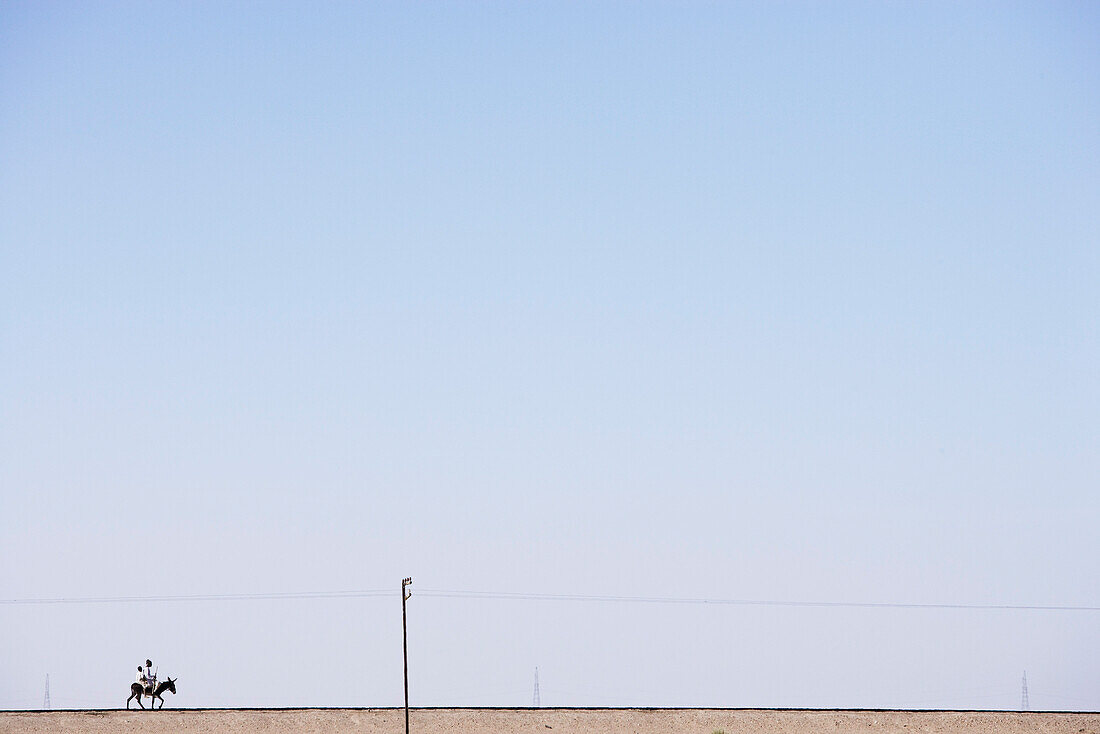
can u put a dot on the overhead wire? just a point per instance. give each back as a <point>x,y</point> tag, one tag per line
<point>461,594</point>
<point>205,597</point>
<point>523,596</point>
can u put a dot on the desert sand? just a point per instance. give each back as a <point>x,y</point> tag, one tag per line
<point>544,721</point>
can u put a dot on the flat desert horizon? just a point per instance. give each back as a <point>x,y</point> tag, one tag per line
<point>547,721</point>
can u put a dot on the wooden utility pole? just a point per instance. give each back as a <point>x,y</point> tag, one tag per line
<point>405,644</point>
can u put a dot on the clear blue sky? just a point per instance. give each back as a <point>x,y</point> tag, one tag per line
<point>761,301</point>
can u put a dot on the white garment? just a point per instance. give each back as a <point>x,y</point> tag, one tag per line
<point>140,678</point>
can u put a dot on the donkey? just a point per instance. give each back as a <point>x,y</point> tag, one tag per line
<point>137,690</point>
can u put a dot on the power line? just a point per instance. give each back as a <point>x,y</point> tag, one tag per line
<point>521,596</point>
<point>457,594</point>
<point>205,597</point>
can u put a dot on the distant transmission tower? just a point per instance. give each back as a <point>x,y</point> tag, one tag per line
<point>1024,704</point>
<point>46,698</point>
<point>535,701</point>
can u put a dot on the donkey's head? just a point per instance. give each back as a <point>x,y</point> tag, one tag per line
<point>170,684</point>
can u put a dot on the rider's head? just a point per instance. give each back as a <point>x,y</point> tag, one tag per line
<point>148,663</point>
<point>139,668</point>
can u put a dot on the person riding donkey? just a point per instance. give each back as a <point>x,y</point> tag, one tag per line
<point>146,685</point>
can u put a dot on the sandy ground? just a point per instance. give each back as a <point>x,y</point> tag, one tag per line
<point>544,721</point>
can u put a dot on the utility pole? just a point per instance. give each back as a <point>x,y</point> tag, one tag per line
<point>1024,703</point>
<point>536,700</point>
<point>46,698</point>
<point>405,644</point>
